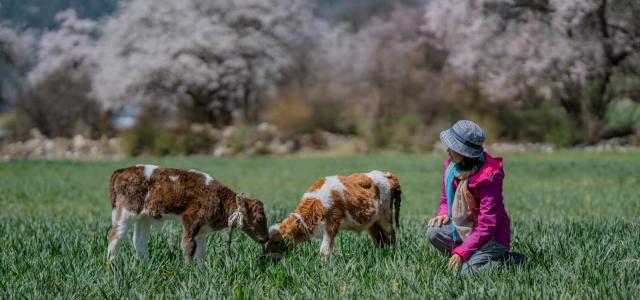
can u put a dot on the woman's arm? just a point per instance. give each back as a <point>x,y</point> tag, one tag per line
<point>444,208</point>
<point>490,198</point>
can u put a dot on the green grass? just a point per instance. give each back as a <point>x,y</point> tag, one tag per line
<point>574,216</point>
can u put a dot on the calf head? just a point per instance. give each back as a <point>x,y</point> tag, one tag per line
<point>277,245</point>
<point>254,221</point>
<point>286,235</point>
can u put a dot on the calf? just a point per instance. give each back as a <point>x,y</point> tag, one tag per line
<point>356,202</point>
<point>146,195</point>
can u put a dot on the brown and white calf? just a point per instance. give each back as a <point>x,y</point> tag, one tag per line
<point>146,195</point>
<point>356,202</point>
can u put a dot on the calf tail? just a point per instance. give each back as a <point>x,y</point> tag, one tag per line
<point>396,199</point>
<point>112,187</point>
<point>396,196</point>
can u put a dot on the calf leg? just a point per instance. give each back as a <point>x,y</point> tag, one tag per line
<point>121,220</point>
<point>377,236</point>
<point>382,233</point>
<point>388,232</point>
<point>190,230</point>
<point>188,245</point>
<point>201,247</point>
<point>328,237</point>
<point>141,238</point>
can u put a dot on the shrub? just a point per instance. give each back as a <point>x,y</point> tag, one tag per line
<point>545,123</point>
<point>622,118</point>
<point>165,142</point>
<point>196,142</point>
<point>61,105</point>
<point>405,133</point>
<point>148,136</point>
<point>237,140</point>
<point>17,125</point>
<point>291,115</point>
<point>140,137</point>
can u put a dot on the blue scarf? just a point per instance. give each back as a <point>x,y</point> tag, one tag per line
<point>453,170</point>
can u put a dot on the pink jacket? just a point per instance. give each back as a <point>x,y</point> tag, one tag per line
<point>493,221</point>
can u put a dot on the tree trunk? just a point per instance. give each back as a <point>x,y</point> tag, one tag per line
<point>587,109</point>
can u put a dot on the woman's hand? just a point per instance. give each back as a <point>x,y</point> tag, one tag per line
<point>438,220</point>
<point>455,262</point>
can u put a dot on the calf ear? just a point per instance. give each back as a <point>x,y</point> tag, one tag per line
<point>274,230</point>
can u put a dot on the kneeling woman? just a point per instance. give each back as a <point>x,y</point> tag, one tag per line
<point>472,224</point>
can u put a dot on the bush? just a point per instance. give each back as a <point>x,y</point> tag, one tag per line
<point>406,133</point>
<point>17,125</point>
<point>196,142</point>
<point>291,115</point>
<point>61,105</point>
<point>335,116</point>
<point>299,113</point>
<point>149,136</point>
<point>622,118</point>
<point>139,138</point>
<point>237,140</point>
<point>545,123</point>
<point>165,142</point>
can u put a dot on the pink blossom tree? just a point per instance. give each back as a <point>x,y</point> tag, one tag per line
<point>387,64</point>
<point>58,96</point>
<point>71,48</point>
<point>578,52</point>
<point>220,57</point>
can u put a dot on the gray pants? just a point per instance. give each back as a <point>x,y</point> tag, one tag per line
<point>492,254</point>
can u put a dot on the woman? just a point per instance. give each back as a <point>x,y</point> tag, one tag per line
<point>472,225</point>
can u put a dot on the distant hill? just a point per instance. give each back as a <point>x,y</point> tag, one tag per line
<point>40,14</point>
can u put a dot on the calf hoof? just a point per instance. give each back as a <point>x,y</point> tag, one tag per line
<point>325,258</point>
<point>109,264</point>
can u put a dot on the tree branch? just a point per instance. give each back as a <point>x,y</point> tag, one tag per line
<point>620,28</point>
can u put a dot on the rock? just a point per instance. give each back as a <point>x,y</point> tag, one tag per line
<point>332,140</point>
<point>267,128</point>
<point>503,147</point>
<point>35,134</point>
<point>198,128</point>
<point>79,142</point>
<point>520,147</point>
<point>279,148</point>
<point>263,133</point>
<point>78,147</point>
<point>620,144</point>
<point>222,151</point>
<point>228,132</point>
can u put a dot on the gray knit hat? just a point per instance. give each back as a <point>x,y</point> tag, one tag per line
<point>465,137</point>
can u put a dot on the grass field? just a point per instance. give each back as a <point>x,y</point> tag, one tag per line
<point>574,215</point>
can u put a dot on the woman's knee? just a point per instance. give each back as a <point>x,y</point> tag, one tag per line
<point>430,234</point>
<point>434,235</point>
<point>492,255</point>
